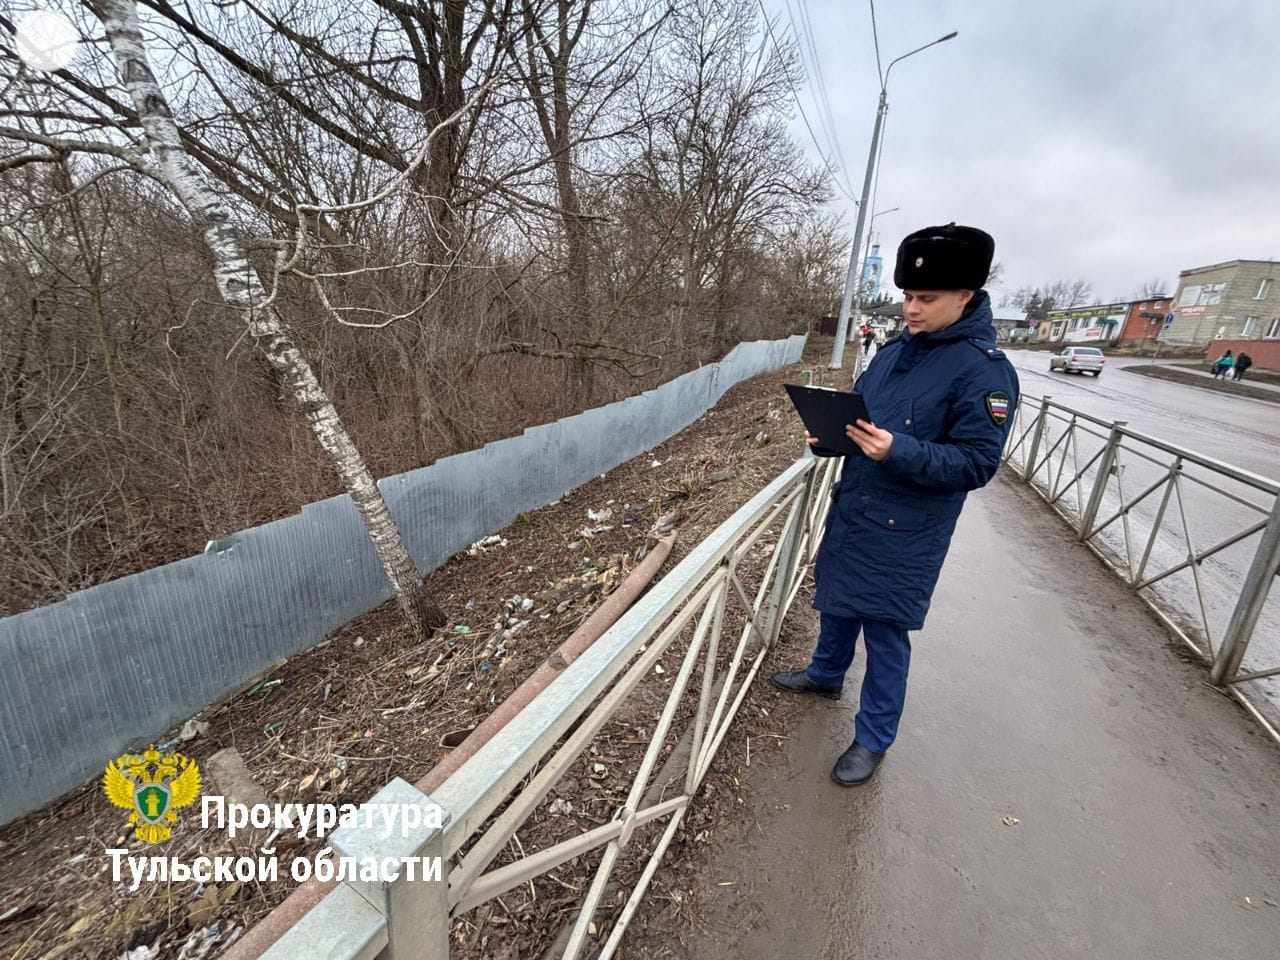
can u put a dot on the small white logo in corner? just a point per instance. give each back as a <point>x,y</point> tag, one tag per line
<point>45,40</point>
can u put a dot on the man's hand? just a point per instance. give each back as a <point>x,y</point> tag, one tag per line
<point>873,441</point>
<point>810,439</point>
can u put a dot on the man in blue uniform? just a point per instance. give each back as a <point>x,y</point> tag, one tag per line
<point>941,397</point>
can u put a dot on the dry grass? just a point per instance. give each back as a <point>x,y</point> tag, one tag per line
<point>335,723</point>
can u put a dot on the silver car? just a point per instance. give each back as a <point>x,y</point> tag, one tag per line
<point>1078,360</point>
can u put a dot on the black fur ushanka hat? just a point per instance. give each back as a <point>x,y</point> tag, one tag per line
<point>944,258</point>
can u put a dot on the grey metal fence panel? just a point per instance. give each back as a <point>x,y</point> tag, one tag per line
<point>116,665</point>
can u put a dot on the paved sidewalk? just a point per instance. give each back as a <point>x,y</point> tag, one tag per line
<point>1251,377</point>
<point>1143,804</point>
<point>1197,374</point>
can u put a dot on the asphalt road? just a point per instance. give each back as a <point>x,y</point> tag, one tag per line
<point>1242,432</point>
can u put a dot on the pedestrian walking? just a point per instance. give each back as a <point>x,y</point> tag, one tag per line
<point>1243,363</point>
<point>941,396</point>
<point>1222,366</point>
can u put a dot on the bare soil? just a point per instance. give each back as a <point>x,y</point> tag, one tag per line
<point>367,704</point>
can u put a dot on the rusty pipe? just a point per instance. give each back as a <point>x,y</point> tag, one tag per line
<point>259,938</point>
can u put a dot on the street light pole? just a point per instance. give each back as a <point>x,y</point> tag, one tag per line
<point>851,278</point>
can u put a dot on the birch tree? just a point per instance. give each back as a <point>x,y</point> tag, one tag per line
<point>616,200</point>
<point>242,288</point>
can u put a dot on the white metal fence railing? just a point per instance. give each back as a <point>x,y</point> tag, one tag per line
<point>1198,539</point>
<point>749,571</point>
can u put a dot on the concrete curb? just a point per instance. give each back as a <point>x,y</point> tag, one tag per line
<point>1195,380</point>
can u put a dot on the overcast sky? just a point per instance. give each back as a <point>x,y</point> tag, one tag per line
<point>1117,142</point>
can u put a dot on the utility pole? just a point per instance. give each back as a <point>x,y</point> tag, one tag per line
<point>851,278</point>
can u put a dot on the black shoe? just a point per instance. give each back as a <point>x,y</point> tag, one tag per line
<point>856,766</point>
<point>797,681</point>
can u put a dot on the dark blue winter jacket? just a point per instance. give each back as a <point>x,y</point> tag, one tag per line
<point>948,398</point>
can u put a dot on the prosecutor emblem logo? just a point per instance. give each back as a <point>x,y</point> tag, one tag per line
<point>152,787</point>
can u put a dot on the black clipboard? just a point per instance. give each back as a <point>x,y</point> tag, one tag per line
<point>825,414</point>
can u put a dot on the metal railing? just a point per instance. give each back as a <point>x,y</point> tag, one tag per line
<point>494,793</point>
<point>1197,538</point>
<point>1139,503</point>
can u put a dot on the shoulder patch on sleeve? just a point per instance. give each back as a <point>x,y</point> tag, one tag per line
<point>998,406</point>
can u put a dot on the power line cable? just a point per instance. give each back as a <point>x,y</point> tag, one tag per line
<point>804,42</point>
<point>796,96</point>
<point>884,122</point>
<point>822,100</point>
<point>836,165</point>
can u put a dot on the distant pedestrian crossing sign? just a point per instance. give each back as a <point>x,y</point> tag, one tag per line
<point>1168,319</point>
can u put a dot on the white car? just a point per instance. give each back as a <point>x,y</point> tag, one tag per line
<point>1078,360</point>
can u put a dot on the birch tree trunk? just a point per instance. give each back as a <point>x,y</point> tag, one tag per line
<point>242,288</point>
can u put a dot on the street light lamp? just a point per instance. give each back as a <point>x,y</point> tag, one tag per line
<point>872,229</point>
<point>842,328</point>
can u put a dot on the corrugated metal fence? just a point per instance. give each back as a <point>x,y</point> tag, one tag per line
<point>118,664</point>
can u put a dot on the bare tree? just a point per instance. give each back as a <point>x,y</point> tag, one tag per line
<point>574,65</point>
<point>1018,298</point>
<point>1066,294</point>
<point>996,274</point>
<point>717,175</point>
<point>552,35</point>
<point>1056,295</point>
<point>316,96</point>
<point>427,294</point>
<point>804,272</point>
<point>1152,290</point>
<point>242,288</point>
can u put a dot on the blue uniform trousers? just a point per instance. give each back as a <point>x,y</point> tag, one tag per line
<point>884,683</point>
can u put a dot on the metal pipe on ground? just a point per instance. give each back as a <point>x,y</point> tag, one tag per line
<point>259,938</point>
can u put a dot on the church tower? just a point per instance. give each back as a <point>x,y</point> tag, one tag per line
<point>871,268</point>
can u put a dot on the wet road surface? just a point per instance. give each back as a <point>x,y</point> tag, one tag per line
<point>1240,431</point>
<point>1041,691</point>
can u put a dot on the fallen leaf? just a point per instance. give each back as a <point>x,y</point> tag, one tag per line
<point>206,907</point>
